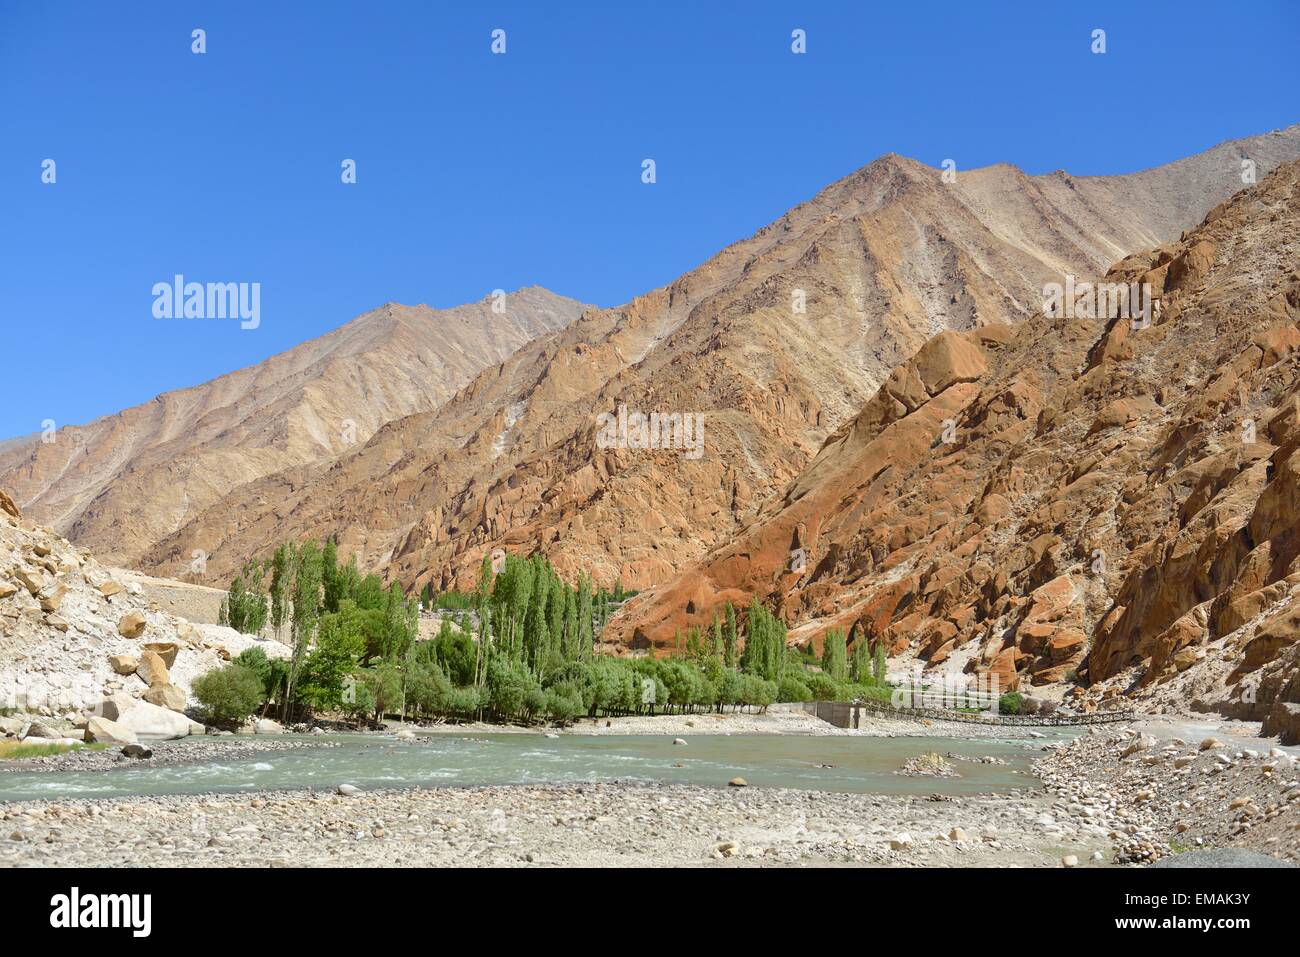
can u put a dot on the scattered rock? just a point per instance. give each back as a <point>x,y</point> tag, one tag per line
<point>131,625</point>
<point>124,664</point>
<point>166,650</point>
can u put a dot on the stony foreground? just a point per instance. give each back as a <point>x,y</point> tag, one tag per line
<point>1159,789</point>
<point>590,825</point>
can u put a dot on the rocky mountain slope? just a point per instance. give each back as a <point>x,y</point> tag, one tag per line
<point>121,483</point>
<point>1075,497</point>
<point>74,632</point>
<point>776,341</point>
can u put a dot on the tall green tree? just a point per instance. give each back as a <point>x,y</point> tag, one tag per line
<point>730,638</point>
<point>282,570</point>
<point>834,655</point>
<point>306,613</point>
<point>332,576</point>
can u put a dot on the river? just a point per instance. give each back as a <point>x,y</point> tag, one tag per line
<point>848,764</point>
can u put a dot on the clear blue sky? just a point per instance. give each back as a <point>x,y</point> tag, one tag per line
<point>479,171</point>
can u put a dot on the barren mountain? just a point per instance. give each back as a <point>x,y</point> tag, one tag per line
<point>776,340</point>
<point>1080,496</point>
<point>122,482</point>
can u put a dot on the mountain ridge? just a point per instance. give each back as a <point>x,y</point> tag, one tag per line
<point>886,257</point>
<point>385,363</point>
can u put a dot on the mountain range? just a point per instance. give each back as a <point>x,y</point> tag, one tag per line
<point>476,431</point>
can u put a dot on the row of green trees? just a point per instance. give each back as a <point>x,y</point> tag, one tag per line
<point>522,647</point>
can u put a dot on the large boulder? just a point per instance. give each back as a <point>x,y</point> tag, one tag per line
<point>51,596</point>
<point>8,506</point>
<point>131,625</point>
<point>166,650</point>
<point>167,696</point>
<point>152,670</point>
<point>153,723</point>
<point>124,664</point>
<point>104,731</point>
<point>32,580</point>
<point>1283,722</point>
<point>267,726</point>
<point>38,729</point>
<point>114,706</point>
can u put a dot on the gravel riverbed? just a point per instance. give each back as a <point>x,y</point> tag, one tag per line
<point>165,754</point>
<point>1115,795</point>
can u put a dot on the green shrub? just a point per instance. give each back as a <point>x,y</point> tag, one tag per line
<point>821,687</point>
<point>792,689</point>
<point>1010,702</point>
<point>255,660</point>
<point>230,693</point>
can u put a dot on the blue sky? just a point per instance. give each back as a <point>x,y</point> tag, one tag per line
<point>478,171</point>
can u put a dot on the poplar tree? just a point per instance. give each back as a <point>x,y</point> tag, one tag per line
<point>282,566</point>
<point>306,612</point>
<point>729,637</point>
<point>834,656</point>
<point>330,577</point>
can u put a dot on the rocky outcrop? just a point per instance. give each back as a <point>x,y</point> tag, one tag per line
<point>1283,721</point>
<point>1088,499</point>
<point>53,664</point>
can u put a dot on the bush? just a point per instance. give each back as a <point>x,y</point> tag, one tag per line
<point>231,693</point>
<point>822,687</point>
<point>1010,702</point>
<point>255,660</point>
<point>792,689</point>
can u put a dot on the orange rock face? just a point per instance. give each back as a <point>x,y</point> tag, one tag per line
<point>1077,497</point>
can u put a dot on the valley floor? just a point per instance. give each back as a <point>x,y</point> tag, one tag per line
<point>1165,795</point>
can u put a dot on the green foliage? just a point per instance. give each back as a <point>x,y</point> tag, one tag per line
<point>822,687</point>
<point>254,659</point>
<point>230,693</point>
<point>859,661</point>
<point>792,689</point>
<point>520,647</point>
<point>244,607</point>
<point>835,662</point>
<point>764,651</point>
<point>1010,702</point>
<point>14,750</point>
<point>333,658</point>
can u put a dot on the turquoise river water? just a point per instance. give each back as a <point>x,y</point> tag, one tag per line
<point>846,764</point>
